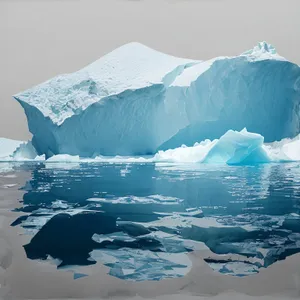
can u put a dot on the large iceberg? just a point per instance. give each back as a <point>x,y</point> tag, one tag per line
<point>137,101</point>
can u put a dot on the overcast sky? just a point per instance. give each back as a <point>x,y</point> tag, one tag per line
<point>43,38</point>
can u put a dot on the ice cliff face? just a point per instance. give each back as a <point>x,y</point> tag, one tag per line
<point>136,100</point>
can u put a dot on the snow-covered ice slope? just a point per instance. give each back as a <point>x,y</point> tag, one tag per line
<point>135,101</point>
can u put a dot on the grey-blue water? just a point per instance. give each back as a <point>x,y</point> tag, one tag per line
<point>141,220</point>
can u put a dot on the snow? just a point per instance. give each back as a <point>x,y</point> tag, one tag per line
<point>136,101</point>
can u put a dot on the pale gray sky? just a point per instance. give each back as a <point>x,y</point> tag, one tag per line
<point>43,38</point>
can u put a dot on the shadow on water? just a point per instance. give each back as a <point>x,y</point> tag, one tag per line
<point>141,220</point>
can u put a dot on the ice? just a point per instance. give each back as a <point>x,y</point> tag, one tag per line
<point>170,261</point>
<point>63,158</point>
<point>26,151</point>
<point>59,204</point>
<point>99,238</point>
<point>136,101</point>
<point>128,68</point>
<point>285,150</point>
<point>8,147</point>
<point>138,265</point>
<point>263,51</point>
<point>12,150</point>
<point>236,268</point>
<point>152,199</point>
<point>232,148</point>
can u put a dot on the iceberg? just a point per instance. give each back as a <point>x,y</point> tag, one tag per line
<point>12,150</point>
<point>8,147</point>
<point>233,148</point>
<point>138,101</point>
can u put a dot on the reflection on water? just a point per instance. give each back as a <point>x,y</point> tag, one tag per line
<point>141,220</point>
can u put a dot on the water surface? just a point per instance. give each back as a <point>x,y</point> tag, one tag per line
<point>141,220</point>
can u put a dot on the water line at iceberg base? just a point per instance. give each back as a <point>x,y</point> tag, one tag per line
<point>233,148</point>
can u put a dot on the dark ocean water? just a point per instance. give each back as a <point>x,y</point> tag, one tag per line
<point>141,220</point>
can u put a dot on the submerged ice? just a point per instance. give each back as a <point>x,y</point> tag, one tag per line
<point>137,101</point>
